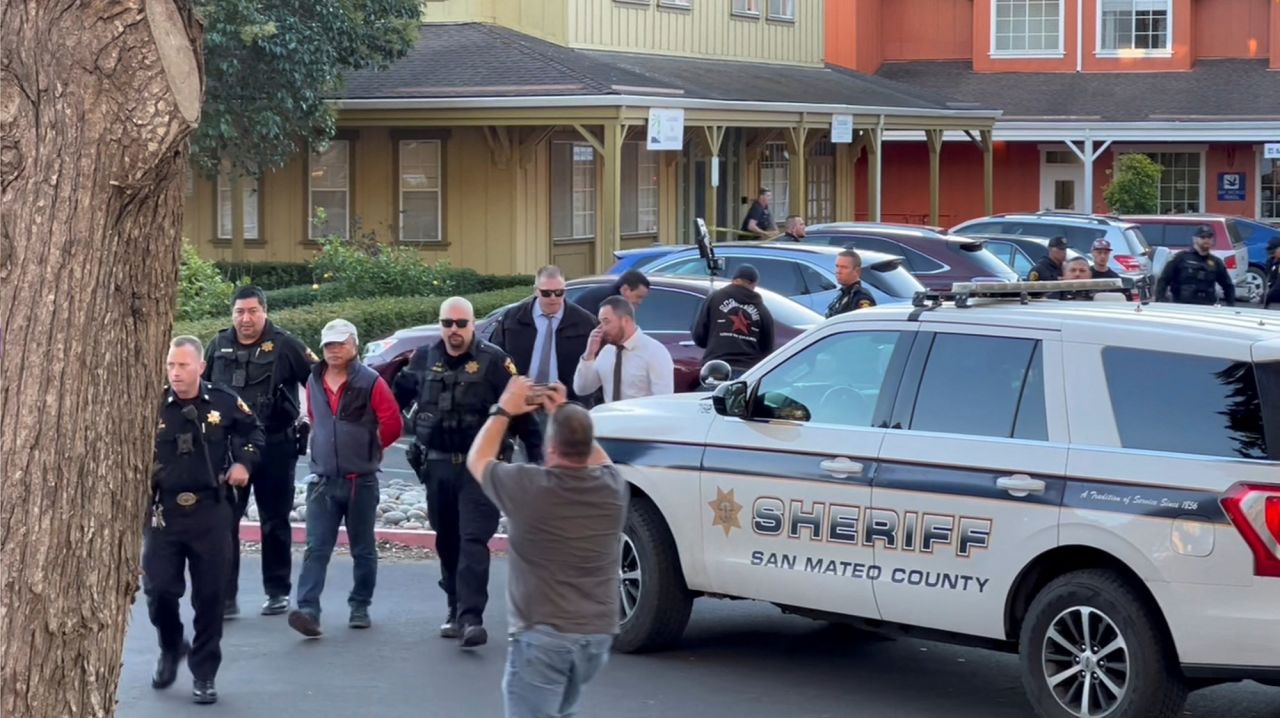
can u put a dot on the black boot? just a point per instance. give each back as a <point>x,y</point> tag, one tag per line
<point>474,636</point>
<point>167,666</point>
<point>450,628</point>
<point>203,692</point>
<point>230,609</point>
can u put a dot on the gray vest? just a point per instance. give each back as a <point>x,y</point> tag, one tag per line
<point>347,443</point>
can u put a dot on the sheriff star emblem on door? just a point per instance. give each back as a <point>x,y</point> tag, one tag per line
<point>725,510</point>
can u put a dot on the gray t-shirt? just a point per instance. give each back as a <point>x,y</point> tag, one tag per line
<point>564,527</point>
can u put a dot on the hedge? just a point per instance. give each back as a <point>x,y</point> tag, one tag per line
<point>463,282</point>
<point>374,318</point>
<point>268,275</point>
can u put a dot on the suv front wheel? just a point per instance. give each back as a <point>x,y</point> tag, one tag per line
<point>654,601</point>
<point>1090,649</point>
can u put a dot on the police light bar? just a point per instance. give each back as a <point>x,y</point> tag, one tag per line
<point>1017,289</point>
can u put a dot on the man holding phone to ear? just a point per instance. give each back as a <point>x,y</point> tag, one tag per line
<point>456,380</point>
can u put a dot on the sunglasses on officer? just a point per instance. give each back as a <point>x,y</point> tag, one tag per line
<point>551,292</point>
<point>451,323</point>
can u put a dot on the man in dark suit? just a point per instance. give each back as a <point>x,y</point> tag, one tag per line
<point>545,335</point>
<point>632,286</point>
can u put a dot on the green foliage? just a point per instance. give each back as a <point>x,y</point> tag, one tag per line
<point>202,290</point>
<point>269,67</point>
<point>364,267</point>
<point>374,318</point>
<point>267,275</point>
<point>1135,185</point>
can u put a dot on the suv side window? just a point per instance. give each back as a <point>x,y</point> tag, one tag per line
<point>837,380</point>
<point>1154,234</point>
<point>667,310</point>
<point>815,281</point>
<point>986,228</point>
<point>778,275</point>
<point>874,244</point>
<point>1191,405</point>
<point>689,267</point>
<point>1179,235</point>
<point>984,386</point>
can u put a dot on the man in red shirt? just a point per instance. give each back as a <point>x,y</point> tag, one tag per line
<point>354,418</point>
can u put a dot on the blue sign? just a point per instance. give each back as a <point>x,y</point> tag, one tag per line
<point>1231,186</point>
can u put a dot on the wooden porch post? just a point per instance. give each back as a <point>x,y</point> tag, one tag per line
<point>988,173</point>
<point>934,138</point>
<point>610,224</point>
<point>714,135</point>
<point>798,176</point>
<point>873,173</point>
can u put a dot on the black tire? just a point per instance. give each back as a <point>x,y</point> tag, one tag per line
<point>1257,278</point>
<point>1155,687</point>
<point>664,601</point>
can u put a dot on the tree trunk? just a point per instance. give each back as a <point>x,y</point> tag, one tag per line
<point>97,101</point>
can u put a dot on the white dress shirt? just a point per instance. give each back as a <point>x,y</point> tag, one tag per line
<point>647,370</point>
<point>542,324</point>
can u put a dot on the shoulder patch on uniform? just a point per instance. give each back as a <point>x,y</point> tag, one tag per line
<point>510,366</point>
<point>243,406</point>
<point>1033,277</point>
<point>864,304</point>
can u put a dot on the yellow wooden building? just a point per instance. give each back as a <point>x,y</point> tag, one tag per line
<point>515,134</point>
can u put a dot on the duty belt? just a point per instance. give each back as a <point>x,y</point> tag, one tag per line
<point>187,499</point>
<point>457,458</point>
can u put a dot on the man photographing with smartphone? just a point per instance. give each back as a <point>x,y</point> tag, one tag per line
<point>563,523</point>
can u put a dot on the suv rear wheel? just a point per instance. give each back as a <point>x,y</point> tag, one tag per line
<point>654,601</point>
<point>1089,649</point>
<point>1254,285</point>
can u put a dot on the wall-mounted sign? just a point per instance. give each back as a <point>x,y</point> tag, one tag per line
<point>1271,150</point>
<point>1231,186</point>
<point>841,129</point>
<point>666,129</point>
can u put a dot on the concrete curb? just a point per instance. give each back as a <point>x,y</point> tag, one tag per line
<point>252,531</point>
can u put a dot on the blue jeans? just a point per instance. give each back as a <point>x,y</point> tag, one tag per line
<point>331,502</point>
<point>546,671</point>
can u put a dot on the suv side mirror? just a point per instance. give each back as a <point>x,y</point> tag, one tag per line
<point>730,399</point>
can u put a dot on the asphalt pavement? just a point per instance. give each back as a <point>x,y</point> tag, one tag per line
<point>739,658</point>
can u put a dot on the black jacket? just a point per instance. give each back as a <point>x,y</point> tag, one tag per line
<point>590,300</point>
<point>850,299</point>
<point>1045,271</point>
<point>517,333</point>
<point>1273,283</point>
<point>1189,278</point>
<point>735,326</point>
<point>266,374</point>
<point>199,439</point>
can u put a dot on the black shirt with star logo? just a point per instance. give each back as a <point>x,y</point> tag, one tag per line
<point>267,374</point>
<point>198,439</point>
<point>734,326</point>
<point>850,298</point>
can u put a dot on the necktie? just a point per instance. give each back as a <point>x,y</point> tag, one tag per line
<point>617,372</point>
<point>543,375</point>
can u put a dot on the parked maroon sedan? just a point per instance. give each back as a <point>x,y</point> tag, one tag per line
<point>666,315</point>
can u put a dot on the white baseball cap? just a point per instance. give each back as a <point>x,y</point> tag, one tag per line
<point>338,330</point>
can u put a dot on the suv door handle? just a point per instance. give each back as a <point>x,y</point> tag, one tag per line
<point>688,343</point>
<point>1020,484</point>
<point>841,467</point>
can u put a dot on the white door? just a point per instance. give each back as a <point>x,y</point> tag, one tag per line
<point>787,486</point>
<point>1061,181</point>
<point>971,476</point>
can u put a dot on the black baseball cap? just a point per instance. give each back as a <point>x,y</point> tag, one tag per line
<point>747,273</point>
<point>1274,244</point>
<point>1058,243</point>
<point>1203,231</point>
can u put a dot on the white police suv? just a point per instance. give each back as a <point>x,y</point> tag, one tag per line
<point>1092,484</point>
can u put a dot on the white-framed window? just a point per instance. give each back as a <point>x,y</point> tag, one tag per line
<point>682,4</point>
<point>782,10</point>
<point>329,189</point>
<point>1027,27</point>
<point>750,8</point>
<point>573,190</point>
<point>1181,181</point>
<point>249,210</point>
<point>1142,26</point>
<point>820,166</point>
<point>775,176</point>
<point>639,189</point>
<point>421,198</point>
<point>1269,189</point>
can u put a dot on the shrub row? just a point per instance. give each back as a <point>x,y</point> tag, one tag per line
<point>268,275</point>
<point>464,282</point>
<point>374,318</point>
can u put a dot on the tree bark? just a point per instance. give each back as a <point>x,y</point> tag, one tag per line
<point>97,101</point>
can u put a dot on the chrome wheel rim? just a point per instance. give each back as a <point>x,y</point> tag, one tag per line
<point>1086,662</point>
<point>1253,286</point>
<point>628,579</point>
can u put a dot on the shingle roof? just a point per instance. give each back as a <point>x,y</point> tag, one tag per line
<point>483,60</point>
<point>1214,90</point>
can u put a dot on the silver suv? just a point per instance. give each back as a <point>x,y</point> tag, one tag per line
<point>1129,248</point>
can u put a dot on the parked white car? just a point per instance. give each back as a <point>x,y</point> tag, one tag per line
<point>1092,484</point>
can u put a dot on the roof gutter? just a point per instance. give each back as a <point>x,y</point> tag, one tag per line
<point>689,103</point>
<point>1148,131</point>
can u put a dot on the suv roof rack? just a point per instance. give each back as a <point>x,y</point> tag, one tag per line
<point>962,292</point>
<point>1092,217</point>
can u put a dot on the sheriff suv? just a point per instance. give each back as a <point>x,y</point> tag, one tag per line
<point>1094,485</point>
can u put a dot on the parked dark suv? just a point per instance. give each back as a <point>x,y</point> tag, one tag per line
<point>938,260</point>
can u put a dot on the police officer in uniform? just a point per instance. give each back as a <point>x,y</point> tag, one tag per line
<point>1049,268</point>
<point>457,381</point>
<point>207,438</point>
<point>852,295</point>
<point>1190,276</point>
<point>266,366</point>
<point>1271,292</point>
